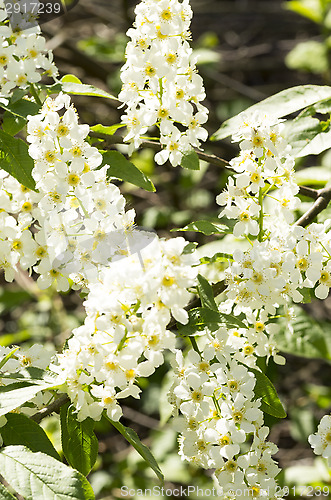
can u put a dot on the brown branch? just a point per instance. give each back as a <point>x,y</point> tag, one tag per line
<point>52,407</point>
<point>323,197</point>
<point>111,140</point>
<point>307,191</point>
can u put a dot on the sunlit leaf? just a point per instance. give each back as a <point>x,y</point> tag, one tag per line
<point>79,443</point>
<point>264,389</point>
<point>37,476</point>
<point>277,106</point>
<point>204,226</point>
<point>21,430</point>
<point>121,168</point>
<point>72,85</point>
<point>132,437</point>
<point>15,159</point>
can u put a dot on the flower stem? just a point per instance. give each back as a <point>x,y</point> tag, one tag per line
<point>195,345</point>
<point>34,93</point>
<point>260,215</point>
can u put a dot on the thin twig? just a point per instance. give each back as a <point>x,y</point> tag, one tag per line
<point>307,191</point>
<point>321,202</point>
<point>111,140</point>
<point>52,407</point>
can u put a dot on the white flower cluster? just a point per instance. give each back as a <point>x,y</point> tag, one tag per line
<point>216,409</point>
<point>125,331</point>
<point>160,83</point>
<point>23,55</point>
<point>283,258</point>
<point>80,215</point>
<point>80,231</point>
<point>263,165</point>
<point>321,441</point>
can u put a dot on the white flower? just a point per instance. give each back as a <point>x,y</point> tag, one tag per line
<point>321,441</point>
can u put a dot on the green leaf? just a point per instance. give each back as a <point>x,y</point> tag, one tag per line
<point>121,168</point>
<point>132,437</point>
<point>72,85</point>
<point>21,430</point>
<point>203,317</point>
<point>7,357</point>
<point>218,257</point>
<point>206,293</point>
<point>16,160</point>
<point>5,494</point>
<point>313,176</point>
<point>101,129</point>
<point>16,112</point>
<point>14,395</point>
<point>32,375</point>
<point>37,476</point>
<point>70,79</point>
<point>300,132</point>
<point>190,161</point>
<point>21,108</point>
<point>55,88</point>
<point>79,443</point>
<point>306,8</point>
<point>264,389</point>
<point>12,124</point>
<point>310,56</point>
<point>190,247</point>
<point>321,142</point>
<point>282,104</point>
<point>310,338</point>
<point>204,226</point>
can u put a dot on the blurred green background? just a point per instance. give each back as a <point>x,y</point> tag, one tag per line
<point>248,50</point>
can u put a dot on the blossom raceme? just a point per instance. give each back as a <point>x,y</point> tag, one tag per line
<point>81,231</point>
<point>261,197</point>
<point>23,54</point>
<point>160,83</point>
<point>215,411</point>
<point>125,332</point>
<point>78,216</point>
<point>17,359</point>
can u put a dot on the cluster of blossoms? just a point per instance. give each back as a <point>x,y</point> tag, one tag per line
<point>160,83</point>
<point>263,165</point>
<point>78,216</point>
<point>125,331</point>
<point>23,55</point>
<point>216,410</point>
<point>76,227</point>
<point>283,258</point>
